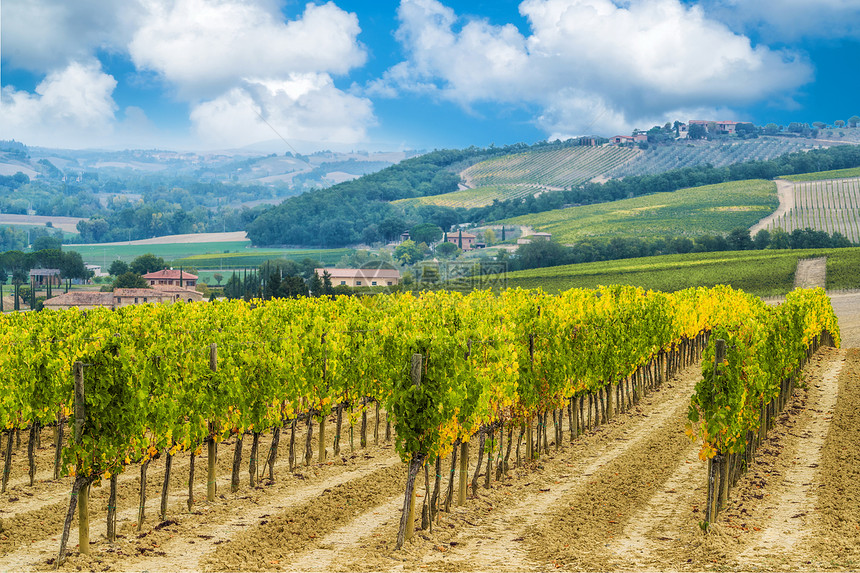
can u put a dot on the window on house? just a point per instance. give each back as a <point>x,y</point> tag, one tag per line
<point>389,283</point>
<point>343,282</point>
<point>373,283</point>
<point>144,299</point>
<point>135,300</point>
<point>357,283</point>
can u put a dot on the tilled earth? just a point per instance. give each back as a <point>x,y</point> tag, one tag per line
<point>627,496</point>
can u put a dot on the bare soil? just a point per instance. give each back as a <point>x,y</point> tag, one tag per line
<point>811,273</point>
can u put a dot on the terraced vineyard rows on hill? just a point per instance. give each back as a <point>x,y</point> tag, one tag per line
<point>521,174</point>
<point>560,168</point>
<point>664,158</point>
<point>830,206</point>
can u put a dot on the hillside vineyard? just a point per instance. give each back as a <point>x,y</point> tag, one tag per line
<point>446,368</point>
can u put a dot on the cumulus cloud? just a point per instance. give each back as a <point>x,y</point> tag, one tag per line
<point>44,35</point>
<point>71,107</point>
<point>305,106</point>
<point>790,20</point>
<point>591,65</point>
<point>203,48</point>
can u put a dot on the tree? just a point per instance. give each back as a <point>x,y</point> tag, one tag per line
<point>391,227</point>
<point>746,130</point>
<point>489,236</point>
<point>217,276</point>
<point>739,240</point>
<point>130,280</point>
<point>819,124</point>
<point>779,239</point>
<point>762,239</point>
<point>147,263</point>
<point>315,285</point>
<point>771,129</point>
<point>853,121</point>
<point>117,268</point>
<point>425,233</point>
<point>839,123</point>
<point>696,131</point>
<point>408,252</point>
<point>447,250</point>
<point>542,254</point>
<point>47,242</point>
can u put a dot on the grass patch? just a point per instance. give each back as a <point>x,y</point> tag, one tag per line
<point>843,269</point>
<point>256,257</point>
<point>711,209</point>
<point>106,254</point>
<point>228,255</point>
<point>822,175</point>
<point>764,273</point>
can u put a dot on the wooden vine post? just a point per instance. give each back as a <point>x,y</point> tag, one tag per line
<point>715,463</point>
<point>80,487</point>
<point>211,484</point>
<point>321,440</point>
<point>84,494</point>
<point>407,518</point>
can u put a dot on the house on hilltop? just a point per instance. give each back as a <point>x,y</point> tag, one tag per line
<point>728,127</point>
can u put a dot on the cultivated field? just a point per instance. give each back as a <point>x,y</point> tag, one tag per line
<point>831,205</point>
<point>763,273</point>
<point>711,209</point>
<point>662,158</point>
<point>628,495</point>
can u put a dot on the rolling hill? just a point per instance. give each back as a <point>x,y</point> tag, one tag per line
<point>710,209</point>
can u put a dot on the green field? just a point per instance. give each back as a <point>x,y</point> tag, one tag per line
<point>478,197</point>
<point>711,209</point>
<point>256,257</point>
<point>764,273</point>
<point>228,255</point>
<point>822,175</point>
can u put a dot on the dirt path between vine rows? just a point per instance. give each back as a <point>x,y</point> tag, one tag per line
<point>785,192</point>
<point>497,530</point>
<point>811,273</point>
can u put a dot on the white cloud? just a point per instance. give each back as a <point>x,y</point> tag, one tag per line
<point>790,20</point>
<point>71,107</point>
<point>204,48</point>
<point>591,65</point>
<point>305,106</point>
<point>44,35</point>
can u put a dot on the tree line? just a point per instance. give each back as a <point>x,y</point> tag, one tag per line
<point>538,254</point>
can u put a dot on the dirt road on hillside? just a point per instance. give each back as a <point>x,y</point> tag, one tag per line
<point>785,192</point>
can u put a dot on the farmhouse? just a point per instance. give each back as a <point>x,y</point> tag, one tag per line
<point>636,138</point>
<point>120,297</point>
<point>361,277</point>
<point>171,277</point>
<point>465,241</point>
<point>728,127</point>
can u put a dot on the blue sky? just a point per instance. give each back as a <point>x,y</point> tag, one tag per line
<point>377,74</point>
